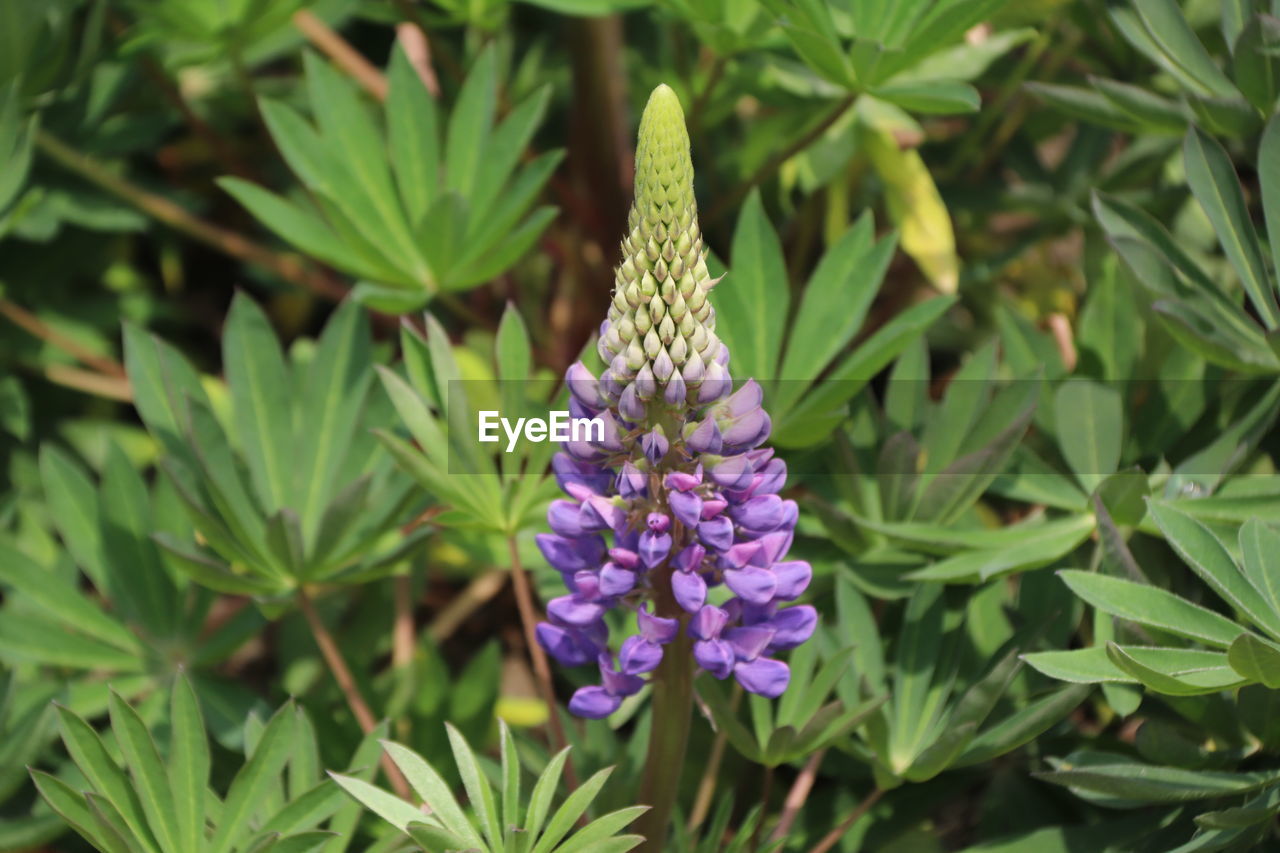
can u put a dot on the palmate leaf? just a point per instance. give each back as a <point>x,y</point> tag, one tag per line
<point>163,803</point>
<point>500,823</point>
<point>430,204</point>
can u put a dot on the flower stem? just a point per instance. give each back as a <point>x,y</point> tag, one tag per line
<point>672,714</point>
<point>832,838</point>
<point>347,684</point>
<point>529,618</point>
<point>797,795</point>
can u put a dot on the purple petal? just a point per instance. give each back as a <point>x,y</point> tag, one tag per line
<point>615,580</point>
<point>689,558</point>
<point>716,533</point>
<point>571,555</point>
<point>568,470</point>
<point>564,644</point>
<point>690,590</point>
<point>747,431</point>
<point>618,683</point>
<point>740,554</point>
<point>609,439</point>
<point>676,391</point>
<point>731,472</point>
<point>623,557</point>
<point>601,513</point>
<point>663,366</point>
<point>658,522</point>
<point>686,507</point>
<point>646,387</point>
<point>682,481</point>
<point>793,578</point>
<point>586,586</point>
<point>744,400</point>
<point>563,518</point>
<point>657,629</point>
<point>630,406</point>
<point>763,513</point>
<point>654,444</point>
<point>752,584</point>
<point>594,703</point>
<point>706,438</point>
<point>716,382</point>
<point>574,611</point>
<point>793,625</point>
<point>654,548</point>
<point>638,656</point>
<point>749,643</point>
<point>773,546</point>
<point>632,483</point>
<point>583,386</point>
<point>707,623</point>
<point>714,656</point>
<point>773,476</point>
<point>763,676</point>
<point>711,507</point>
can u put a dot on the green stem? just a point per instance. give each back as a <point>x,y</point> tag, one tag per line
<point>668,739</point>
<point>672,714</point>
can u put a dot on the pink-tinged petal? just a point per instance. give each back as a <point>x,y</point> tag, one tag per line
<point>690,590</point>
<point>763,676</point>
<point>773,546</point>
<point>741,554</point>
<point>714,656</point>
<point>594,703</point>
<point>793,578</point>
<point>690,558</point>
<point>656,629</point>
<point>682,481</point>
<point>625,558</point>
<point>632,482</point>
<point>707,623</point>
<point>713,507</point>
<point>793,626</point>
<point>752,584</point>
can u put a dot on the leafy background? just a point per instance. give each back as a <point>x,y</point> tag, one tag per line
<point>1007,273</point>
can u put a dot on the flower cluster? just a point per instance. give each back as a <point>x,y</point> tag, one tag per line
<point>675,513</point>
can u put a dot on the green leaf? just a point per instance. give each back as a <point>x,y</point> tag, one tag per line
<point>561,823</point>
<point>29,637</point>
<point>261,393</point>
<point>544,791</point>
<point>149,777</point>
<point>188,763</point>
<point>510,777</point>
<point>413,134</point>
<point>136,579</point>
<point>332,400</point>
<point>478,790</point>
<point>1154,678</point>
<point>600,832</point>
<point>1180,51</point>
<point>1207,671</point>
<point>1023,725</point>
<point>254,780</point>
<point>1260,557</point>
<point>1209,559</point>
<point>1255,65</point>
<point>470,124</point>
<point>753,300</point>
<point>944,97</point>
<point>70,805</point>
<point>1256,659</point>
<point>389,807</point>
<point>1090,428</point>
<point>63,601</point>
<point>917,698</point>
<point>1041,547</point>
<point>108,780</point>
<point>1151,606</point>
<point>1132,780</point>
<point>162,383</point>
<point>1213,181</point>
<point>433,790</point>
<point>1269,181</point>
<point>73,505</point>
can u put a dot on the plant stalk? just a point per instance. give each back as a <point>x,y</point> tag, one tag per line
<point>541,669</point>
<point>832,838</point>
<point>707,785</point>
<point>796,797</point>
<point>347,684</point>
<point>672,714</point>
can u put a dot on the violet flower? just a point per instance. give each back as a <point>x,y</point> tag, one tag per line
<point>675,515</point>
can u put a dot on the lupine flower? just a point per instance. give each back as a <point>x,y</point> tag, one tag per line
<point>675,514</point>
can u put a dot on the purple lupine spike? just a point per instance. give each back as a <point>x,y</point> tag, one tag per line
<point>682,486</point>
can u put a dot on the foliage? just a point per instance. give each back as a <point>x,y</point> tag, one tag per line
<point>1005,276</point>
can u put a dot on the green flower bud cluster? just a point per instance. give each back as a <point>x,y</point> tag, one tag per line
<point>659,339</point>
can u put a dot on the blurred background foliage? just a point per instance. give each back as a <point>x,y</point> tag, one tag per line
<point>1006,271</point>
